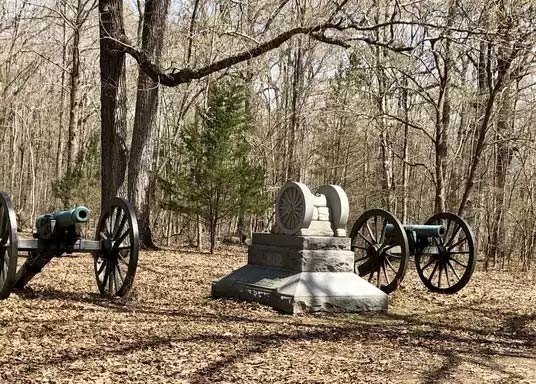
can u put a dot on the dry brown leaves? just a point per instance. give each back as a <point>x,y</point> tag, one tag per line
<point>60,330</point>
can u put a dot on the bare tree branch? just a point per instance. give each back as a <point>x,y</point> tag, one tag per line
<point>176,77</point>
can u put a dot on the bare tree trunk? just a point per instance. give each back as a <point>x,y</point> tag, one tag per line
<point>59,153</point>
<point>114,151</point>
<point>388,184</point>
<point>72,144</point>
<point>140,178</point>
<point>504,154</point>
<point>293,170</point>
<point>443,64</point>
<point>481,137</point>
<point>405,152</point>
<point>441,144</point>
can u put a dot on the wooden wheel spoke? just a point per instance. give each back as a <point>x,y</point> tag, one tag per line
<point>119,229</point>
<point>120,274</point>
<point>115,268</point>
<point>447,275</point>
<point>378,276</point>
<point>376,227</point>
<point>457,262</point>
<point>449,221</point>
<point>121,239</point>
<point>453,269</point>
<point>385,272</point>
<point>122,259</point>
<point>455,232</point>
<point>430,262</point>
<point>384,228</point>
<point>108,225</point>
<point>388,247</point>
<point>390,265</point>
<point>106,273</point>
<point>433,273</point>
<point>110,282</point>
<point>101,267</point>
<point>116,214</point>
<point>364,238</point>
<point>457,243</point>
<point>361,259</point>
<point>370,233</point>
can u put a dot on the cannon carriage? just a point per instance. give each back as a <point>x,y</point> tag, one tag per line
<point>444,250</point>
<point>114,250</point>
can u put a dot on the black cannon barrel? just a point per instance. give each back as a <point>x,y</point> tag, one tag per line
<point>76,215</point>
<point>49,224</point>
<point>421,230</point>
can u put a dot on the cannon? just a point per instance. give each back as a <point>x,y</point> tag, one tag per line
<point>115,248</point>
<point>444,249</point>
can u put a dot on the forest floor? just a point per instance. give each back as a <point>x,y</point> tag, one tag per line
<point>60,330</point>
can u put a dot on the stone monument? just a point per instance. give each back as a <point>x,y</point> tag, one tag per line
<point>305,264</point>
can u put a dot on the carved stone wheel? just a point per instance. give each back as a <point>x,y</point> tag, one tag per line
<point>116,262</point>
<point>381,257</point>
<point>447,265</point>
<point>8,245</point>
<point>294,207</point>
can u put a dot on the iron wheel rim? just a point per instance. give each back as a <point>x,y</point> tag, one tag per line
<point>8,245</point>
<point>116,263</point>
<point>451,269</point>
<point>378,256</point>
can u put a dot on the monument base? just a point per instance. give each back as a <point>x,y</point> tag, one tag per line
<point>298,292</point>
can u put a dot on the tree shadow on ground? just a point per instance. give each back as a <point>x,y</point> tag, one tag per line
<point>454,350</point>
<point>455,344</point>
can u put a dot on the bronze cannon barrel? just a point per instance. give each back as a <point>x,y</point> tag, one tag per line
<point>422,230</point>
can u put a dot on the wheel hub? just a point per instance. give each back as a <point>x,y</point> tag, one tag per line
<point>107,246</point>
<point>374,251</point>
<point>443,253</point>
<point>375,255</point>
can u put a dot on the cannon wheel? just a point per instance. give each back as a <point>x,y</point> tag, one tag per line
<point>8,245</point>
<point>116,262</point>
<point>384,259</point>
<point>449,269</point>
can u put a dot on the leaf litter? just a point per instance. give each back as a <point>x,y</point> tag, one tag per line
<point>169,330</point>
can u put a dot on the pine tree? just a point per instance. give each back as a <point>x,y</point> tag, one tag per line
<point>218,180</point>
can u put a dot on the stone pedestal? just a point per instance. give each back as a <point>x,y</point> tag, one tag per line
<point>297,274</point>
